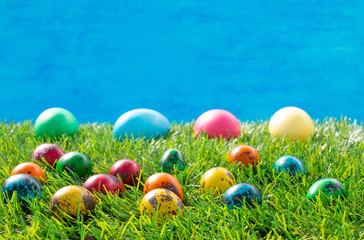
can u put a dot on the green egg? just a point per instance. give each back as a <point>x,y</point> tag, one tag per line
<point>74,162</point>
<point>55,122</point>
<point>327,188</point>
<point>172,159</point>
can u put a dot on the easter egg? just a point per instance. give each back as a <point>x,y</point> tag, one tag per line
<point>292,122</point>
<point>31,169</point>
<point>55,122</point>
<point>27,188</point>
<point>290,164</point>
<point>47,153</point>
<point>141,123</point>
<point>71,199</point>
<point>161,202</point>
<point>235,196</point>
<point>216,181</point>
<point>74,162</point>
<point>244,154</point>
<point>165,181</point>
<point>216,123</point>
<point>128,170</point>
<point>103,183</point>
<point>327,188</point>
<point>171,160</point>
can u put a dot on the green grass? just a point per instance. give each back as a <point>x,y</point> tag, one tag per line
<point>335,150</point>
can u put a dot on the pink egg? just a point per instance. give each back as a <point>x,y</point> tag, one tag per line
<point>218,123</point>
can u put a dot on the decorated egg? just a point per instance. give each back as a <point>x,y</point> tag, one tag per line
<point>165,181</point>
<point>327,188</point>
<point>172,160</point>
<point>161,202</point>
<point>290,164</point>
<point>47,153</point>
<point>241,193</point>
<point>216,181</point>
<point>292,122</point>
<point>71,199</point>
<point>216,123</point>
<point>27,188</point>
<point>74,162</point>
<point>245,155</point>
<point>128,170</point>
<point>55,122</point>
<point>141,123</point>
<point>103,183</point>
<point>31,169</point>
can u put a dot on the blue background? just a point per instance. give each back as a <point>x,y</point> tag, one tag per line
<point>181,58</point>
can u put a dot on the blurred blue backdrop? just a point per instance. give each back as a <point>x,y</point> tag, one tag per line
<point>181,58</point>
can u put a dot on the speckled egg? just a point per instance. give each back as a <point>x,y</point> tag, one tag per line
<point>55,122</point>
<point>162,202</point>
<point>74,162</point>
<point>165,181</point>
<point>244,154</point>
<point>172,160</point>
<point>128,170</point>
<point>216,181</point>
<point>103,183</point>
<point>290,164</point>
<point>31,169</point>
<point>27,188</point>
<point>67,199</point>
<point>141,123</point>
<point>235,196</point>
<point>47,153</point>
<point>327,188</point>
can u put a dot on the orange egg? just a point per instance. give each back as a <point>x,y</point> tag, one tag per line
<point>244,154</point>
<point>31,169</point>
<point>165,181</point>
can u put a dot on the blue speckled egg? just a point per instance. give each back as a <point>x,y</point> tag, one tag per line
<point>236,195</point>
<point>25,186</point>
<point>141,123</point>
<point>290,164</point>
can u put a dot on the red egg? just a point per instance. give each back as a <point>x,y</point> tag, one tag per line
<point>103,183</point>
<point>47,153</point>
<point>128,170</point>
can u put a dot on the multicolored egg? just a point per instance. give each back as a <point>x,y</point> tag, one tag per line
<point>71,198</point>
<point>216,181</point>
<point>244,154</point>
<point>27,188</point>
<point>290,164</point>
<point>161,202</point>
<point>241,193</point>
<point>141,123</point>
<point>164,181</point>
<point>74,162</point>
<point>47,153</point>
<point>128,170</point>
<point>31,169</point>
<point>103,183</point>
<point>217,123</point>
<point>327,188</point>
<point>55,122</point>
<point>172,160</point>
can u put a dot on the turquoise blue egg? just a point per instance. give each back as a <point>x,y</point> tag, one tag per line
<point>141,123</point>
<point>236,195</point>
<point>26,187</point>
<point>290,164</point>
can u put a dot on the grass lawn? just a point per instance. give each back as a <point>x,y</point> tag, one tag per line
<point>335,150</point>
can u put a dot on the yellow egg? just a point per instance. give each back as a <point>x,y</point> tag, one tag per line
<point>216,181</point>
<point>68,199</point>
<point>162,202</point>
<point>292,122</point>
